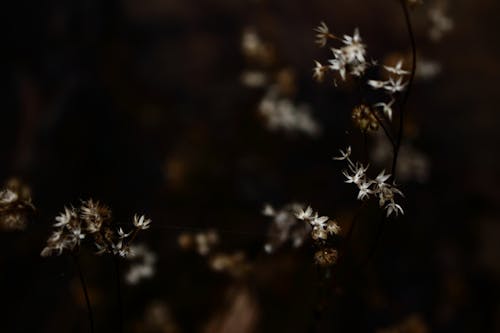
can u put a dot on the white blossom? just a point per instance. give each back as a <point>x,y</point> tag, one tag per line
<point>141,222</point>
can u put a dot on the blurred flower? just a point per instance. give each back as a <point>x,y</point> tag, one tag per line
<point>143,265</point>
<point>15,205</point>
<point>323,33</point>
<point>201,242</point>
<point>281,113</point>
<point>286,226</point>
<point>440,22</point>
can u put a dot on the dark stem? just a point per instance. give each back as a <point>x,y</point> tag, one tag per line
<point>410,84</point>
<point>116,261</point>
<point>85,292</point>
<point>397,146</point>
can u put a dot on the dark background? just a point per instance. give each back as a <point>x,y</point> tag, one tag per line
<point>138,104</point>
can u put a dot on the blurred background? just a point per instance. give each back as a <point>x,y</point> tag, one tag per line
<point>152,107</point>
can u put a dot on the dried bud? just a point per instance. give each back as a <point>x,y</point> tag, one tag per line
<point>326,257</point>
<point>363,118</point>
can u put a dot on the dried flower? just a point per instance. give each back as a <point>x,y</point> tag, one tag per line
<point>364,118</point>
<point>326,257</point>
<point>356,174</point>
<point>15,205</point>
<point>93,220</point>
<point>323,33</point>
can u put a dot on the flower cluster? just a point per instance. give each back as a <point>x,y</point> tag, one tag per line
<point>324,231</point>
<point>350,58</point>
<point>393,85</point>
<point>93,222</point>
<point>277,107</point>
<point>378,187</point>
<point>282,113</point>
<point>15,206</point>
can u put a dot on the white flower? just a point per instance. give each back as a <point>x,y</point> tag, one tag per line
<point>393,86</point>
<point>386,108</point>
<point>122,234</point>
<point>358,173</point>
<point>332,227</point>
<point>304,214</point>
<point>318,221</point>
<point>354,51</point>
<point>339,63</point>
<point>364,190</point>
<point>344,155</point>
<point>64,218</point>
<point>392,207</point>
<point>318,71</point>
<point>141,222</point>
<point>397,69</point>
<point>7,196</point>
<point>322,34</point>
<point>382,177</point>
<point>376,84</point>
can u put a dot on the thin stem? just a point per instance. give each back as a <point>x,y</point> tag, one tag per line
<point>85,292</point>
<point>410,84</point>
<point>397,146</point>
<point>116,261</point>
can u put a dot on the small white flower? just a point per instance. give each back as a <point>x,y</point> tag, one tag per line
<point>354,51</point>
<point>305,214</point>
<point>141,222</point>
<point>339,63</point>
<point>318,71</point>
<point>386,108</point>
<point>359,172</point>
<point>332,227</point>
<point>393,86</point>
<point>318,221</point>
<point>398,69</point>
<point>364,190</point>
<point>323,33</point>
<point>122,234</point>
<point>392,207</point>
<point>344,155</point>
<point>375,84</point>
<point>7,196</point>
<point>382,177</point>
<point>64,218</point>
